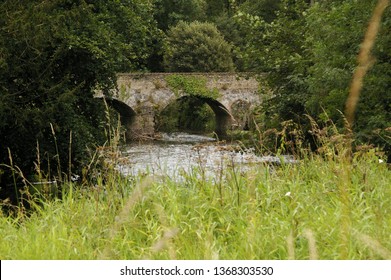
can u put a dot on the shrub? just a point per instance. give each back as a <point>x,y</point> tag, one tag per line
<point>197,47</point>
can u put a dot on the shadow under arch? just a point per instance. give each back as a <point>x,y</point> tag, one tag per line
<point>223,117</point>
<point>127,115</point>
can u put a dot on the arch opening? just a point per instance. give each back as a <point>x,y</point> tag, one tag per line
<point>194,114</point>
<point>127,116</point>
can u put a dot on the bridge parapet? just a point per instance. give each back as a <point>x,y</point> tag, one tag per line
<point>147,94</point>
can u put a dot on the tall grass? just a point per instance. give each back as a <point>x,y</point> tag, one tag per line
<point>296,211</point>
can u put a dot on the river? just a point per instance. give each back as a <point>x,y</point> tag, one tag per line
<point>177,154</point>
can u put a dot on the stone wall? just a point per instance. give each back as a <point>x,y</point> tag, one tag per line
<point>148,94</point>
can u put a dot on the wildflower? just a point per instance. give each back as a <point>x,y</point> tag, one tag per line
<point>381,161</point>
<point>288,194</point>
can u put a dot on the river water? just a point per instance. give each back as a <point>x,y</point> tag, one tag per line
<point>178,154</point>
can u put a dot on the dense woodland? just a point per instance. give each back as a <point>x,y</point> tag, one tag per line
<point>54,54</point>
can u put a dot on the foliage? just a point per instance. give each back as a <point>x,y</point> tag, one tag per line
<point>237,26</point>
<point>53,55</point>
<point>217,8</point>
<point>335,33</point>
<point>197,47</point>
<point>135,35</point>
<point>170,12</point>
<point>191,85</point>
<point>309,51</point>
<point>264,9</point>
<point>322,208</point>
<point>277,48</point>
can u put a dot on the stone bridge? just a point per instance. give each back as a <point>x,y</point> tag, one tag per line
<point>139,98</point>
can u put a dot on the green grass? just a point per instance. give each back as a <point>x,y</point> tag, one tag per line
<point>335,210</point>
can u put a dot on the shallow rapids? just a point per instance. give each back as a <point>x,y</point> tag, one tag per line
<point>178,154</point>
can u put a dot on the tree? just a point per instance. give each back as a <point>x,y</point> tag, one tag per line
<point>217,8</point>
<point>265,9</point>
<point>133,28</point>
<point>53,56</point>
<point>197,47</point>
<point>170,12</point>
<point>277,48</point>
<point>309,51</point>
<point>335,33</point>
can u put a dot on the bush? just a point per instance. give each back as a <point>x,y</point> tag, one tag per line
<point>53,56</point>
<point>197,47</point>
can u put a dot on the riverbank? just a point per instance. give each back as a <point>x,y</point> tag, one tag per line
<point>322,208</point>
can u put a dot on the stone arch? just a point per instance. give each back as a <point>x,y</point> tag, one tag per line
<point>223,117</point>
<point>127,115</point>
